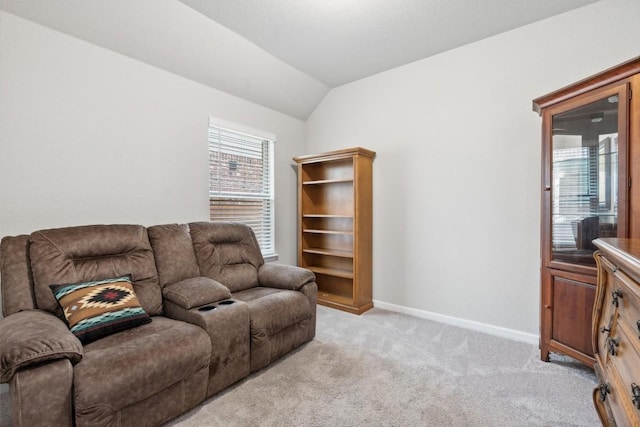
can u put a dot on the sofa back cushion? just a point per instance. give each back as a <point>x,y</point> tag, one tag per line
<point>93,252</point>
<point>15,276</point>
<point>173,252</point>
<point>228,253</point>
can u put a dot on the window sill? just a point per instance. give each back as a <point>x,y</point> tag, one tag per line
<point>270,258</point>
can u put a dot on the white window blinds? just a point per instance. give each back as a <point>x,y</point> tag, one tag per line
<point>241,182</point>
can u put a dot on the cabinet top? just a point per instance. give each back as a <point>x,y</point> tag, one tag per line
<point>336,154</point>
<point>619,72</point>
<point>626,251</point>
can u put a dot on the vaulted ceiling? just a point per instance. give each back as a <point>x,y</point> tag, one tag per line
<point>283,54</point>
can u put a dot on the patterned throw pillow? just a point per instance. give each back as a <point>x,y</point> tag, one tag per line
<point>99,308</point>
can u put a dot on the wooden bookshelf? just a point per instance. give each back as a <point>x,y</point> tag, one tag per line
<point>335,225</point>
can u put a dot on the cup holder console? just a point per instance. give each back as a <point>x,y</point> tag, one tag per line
<point>211,307</point>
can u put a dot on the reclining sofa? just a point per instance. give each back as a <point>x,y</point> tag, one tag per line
<point>212,312</point>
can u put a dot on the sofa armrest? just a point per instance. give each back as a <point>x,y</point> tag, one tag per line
<point>195,292</point>
<point>284,276</point>
<point>31,337</point>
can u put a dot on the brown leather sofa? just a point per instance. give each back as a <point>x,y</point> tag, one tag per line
<point>218,313</point>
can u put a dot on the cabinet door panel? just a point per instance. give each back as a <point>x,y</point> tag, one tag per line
<point>572,313</point>
<point>588,137</point>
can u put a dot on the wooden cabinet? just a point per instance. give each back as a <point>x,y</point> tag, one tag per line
<point>590,158</point>
<point>616,332</point>
<point>335,225</point>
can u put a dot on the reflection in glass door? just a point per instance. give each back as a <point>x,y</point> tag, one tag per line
<point>584,192</point>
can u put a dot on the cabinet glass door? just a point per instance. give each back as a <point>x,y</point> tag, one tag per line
<point>584,179</point>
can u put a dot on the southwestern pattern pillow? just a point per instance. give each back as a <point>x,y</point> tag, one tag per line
<point>100,308</point>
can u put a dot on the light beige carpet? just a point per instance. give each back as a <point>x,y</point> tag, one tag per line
<point>389,369</point>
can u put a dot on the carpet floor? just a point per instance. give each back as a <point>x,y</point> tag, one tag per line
<point>388,369</point>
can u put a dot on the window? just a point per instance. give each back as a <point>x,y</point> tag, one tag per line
<point>241,180</point>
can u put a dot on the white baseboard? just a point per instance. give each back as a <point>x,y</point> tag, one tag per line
<point>463,323</point>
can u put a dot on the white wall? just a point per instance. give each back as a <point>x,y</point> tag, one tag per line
<point>177,38</point>
<point>457,172</point>
<point>90,136</point>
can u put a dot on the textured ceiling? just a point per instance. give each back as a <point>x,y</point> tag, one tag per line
<point>339,41</point>
<point>282,54</point>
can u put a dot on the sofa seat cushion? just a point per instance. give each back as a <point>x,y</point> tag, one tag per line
<point>272,310</point>
<point>127,367</point>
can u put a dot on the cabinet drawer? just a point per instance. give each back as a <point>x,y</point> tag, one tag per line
<point>619,397</point>
<point>627,354</point>
<point>606,326</point>
<point>628,300</point>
